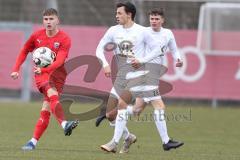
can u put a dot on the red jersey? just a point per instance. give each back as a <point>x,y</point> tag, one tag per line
<point>60,44</point>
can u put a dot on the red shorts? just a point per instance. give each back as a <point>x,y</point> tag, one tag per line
<point>45,81</point>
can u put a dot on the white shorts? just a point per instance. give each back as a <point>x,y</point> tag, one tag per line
<point>133,85</point>
<point>151,89</point>
<point>151,93</point>
<point>141,83</point>
<point>114,94</point>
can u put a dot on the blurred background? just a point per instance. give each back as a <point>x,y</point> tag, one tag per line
<point>207,33</point>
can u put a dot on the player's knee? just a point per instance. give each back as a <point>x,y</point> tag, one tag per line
<point>158,104</point>
<point>122,104</point>
<point>160,107</point>
<point>137,111</point>
<point>45,106</point>
<point>111,116</point>
<point>45,109</point>
<point>112,104</point>
<point>52,92</point>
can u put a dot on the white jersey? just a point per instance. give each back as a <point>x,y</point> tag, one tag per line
<point>166,39</point>
<point>130,42</point>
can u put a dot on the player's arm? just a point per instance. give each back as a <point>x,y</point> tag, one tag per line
<point>28,47</point>
<point>172,45</point>
<point>60,58</point>
<point>100,52</point>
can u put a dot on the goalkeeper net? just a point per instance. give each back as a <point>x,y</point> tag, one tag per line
<point>219,29</point>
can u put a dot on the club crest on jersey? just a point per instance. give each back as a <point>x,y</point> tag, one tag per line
<point>56,45</point>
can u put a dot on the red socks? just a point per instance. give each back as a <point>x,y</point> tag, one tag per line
<point>43,121</point>
<point>42,124</point>
<point>56,108</point>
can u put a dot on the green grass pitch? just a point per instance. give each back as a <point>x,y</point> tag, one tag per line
<point>209,134</point>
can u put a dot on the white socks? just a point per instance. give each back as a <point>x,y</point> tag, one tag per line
<point>34,141</point>
<point>125,130</point>
<point>161,125</point>
<point>121,121</point>
<point>130,110</point>
<point>63,124</point>
<point>125,133</point>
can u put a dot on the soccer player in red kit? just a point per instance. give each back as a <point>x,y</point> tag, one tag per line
<point>49,80</point>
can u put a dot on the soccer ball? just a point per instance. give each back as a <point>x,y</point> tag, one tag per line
<point>43,56</point>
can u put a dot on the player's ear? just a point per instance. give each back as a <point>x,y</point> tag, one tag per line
<point>58,20</point>
<point>129,15</point>
<point>43,19</point>
<point>163,20</point>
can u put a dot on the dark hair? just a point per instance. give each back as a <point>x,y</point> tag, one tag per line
<point>128,7</point>
<point>50,12</point>
<point>157,12</point>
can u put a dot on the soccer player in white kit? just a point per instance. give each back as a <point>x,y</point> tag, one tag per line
<point>131,40</point>
<point>166,38</point>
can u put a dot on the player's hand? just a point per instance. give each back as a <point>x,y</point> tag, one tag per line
<point>179,63</point>
<point>37,70</point>
<point>107,71</point>
<point>135,63</point>
<point>14,75</point>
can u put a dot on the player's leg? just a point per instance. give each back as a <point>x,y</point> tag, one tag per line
<point>125,109</point>
<point>111,111</point>
<point>159,113</point>
<point>111,116</point>
<point>57,110</point>
<point>121,117</point>
<point>121,121</point>
<point>136,109</point>
<point>40,126</point>
<point>111,108</point>
<point>55,105</point>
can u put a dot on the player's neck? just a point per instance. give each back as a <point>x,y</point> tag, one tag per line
<point>128,24</point>
<point>156,29</point>
<point>52,33</point>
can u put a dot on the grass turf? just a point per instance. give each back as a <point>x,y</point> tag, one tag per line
<point>208,134</point>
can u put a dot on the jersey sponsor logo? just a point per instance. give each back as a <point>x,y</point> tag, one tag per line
<point>56,45</point>
<point>125,48</point>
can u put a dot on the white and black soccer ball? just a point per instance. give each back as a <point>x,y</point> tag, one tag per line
<point>43,56</point>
